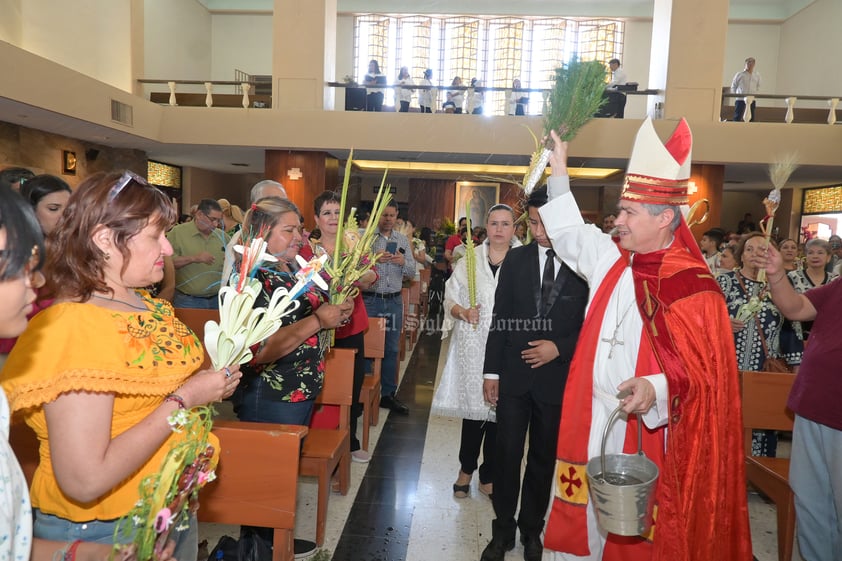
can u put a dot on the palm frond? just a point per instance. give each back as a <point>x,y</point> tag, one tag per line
<point>575,98</point>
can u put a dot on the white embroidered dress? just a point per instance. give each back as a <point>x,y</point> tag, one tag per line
<point>16,512</point>
<point>459,393</point>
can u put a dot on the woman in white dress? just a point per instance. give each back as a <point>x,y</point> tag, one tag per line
<point>404,95</point>
<point>425,96</point>
<point>459,393</point>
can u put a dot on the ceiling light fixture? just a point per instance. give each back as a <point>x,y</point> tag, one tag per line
<point>482,169</point>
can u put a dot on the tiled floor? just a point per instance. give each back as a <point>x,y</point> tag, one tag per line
<point>400,506</point>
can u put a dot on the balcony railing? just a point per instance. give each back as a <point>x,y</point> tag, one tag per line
<point>787,114</point>
<point>440,91</point>
<point>245,99</point>
<point>221,100</point>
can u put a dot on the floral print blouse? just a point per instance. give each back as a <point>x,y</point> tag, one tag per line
<point>738,290</point>
<point>299,375</point>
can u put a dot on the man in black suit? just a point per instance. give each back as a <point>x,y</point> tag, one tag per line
<point>538,311</point>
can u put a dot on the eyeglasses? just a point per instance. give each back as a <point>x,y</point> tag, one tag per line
<point>211,219</point>
<point>124,180</point>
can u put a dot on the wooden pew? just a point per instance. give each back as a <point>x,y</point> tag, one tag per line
<point>424,292</point>
<point>764,396</point>
<point>402,341</point>
<point>257,476</point>
<point>257,480</point>
<point>414,318</point>
<point>375,347</point>
<point>195,319</point>
<point>326,451</point>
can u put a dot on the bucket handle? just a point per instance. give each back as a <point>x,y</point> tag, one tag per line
<point>611,419</point>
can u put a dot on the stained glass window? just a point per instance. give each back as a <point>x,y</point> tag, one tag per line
<point>163,175</point>
<point>822,200</point>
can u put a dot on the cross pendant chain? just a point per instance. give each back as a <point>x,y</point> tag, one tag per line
<point>613,341</point>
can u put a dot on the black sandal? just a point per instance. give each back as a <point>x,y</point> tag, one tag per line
<point>461,491</point>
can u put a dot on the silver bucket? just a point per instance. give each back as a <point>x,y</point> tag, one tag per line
<point>622,487</point>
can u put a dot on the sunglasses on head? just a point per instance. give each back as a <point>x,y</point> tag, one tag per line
<point>123,181</point>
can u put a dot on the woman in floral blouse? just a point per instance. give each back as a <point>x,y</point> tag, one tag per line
<point>754,319</point>
<point>285,377</point>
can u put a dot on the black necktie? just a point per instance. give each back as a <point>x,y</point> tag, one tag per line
<point>547,281</point>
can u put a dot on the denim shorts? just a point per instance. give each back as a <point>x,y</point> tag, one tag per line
<point>49,527</point>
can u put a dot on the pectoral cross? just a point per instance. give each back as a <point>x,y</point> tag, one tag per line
<point>613,341</point>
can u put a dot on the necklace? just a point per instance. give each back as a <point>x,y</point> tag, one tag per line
<point>495,263</point>
<point>129,304</point>
<point>613,341</point>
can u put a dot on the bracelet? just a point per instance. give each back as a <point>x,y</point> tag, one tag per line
<point>61,552</point>
<point>71,551</point>
<point>177,399</point>
<point>68,552</point>
<point>779,279</point>
<point>318,319</point>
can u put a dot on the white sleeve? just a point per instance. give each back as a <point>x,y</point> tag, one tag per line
<point>584,247</point>
<point>658,415</point>
<point>735,83</point>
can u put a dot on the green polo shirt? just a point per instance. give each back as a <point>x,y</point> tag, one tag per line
<point>198,279</point>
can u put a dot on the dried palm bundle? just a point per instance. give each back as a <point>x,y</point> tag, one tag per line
<point>779,173</point>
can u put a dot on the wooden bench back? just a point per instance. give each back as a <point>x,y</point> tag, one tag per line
<point>375,338</point>
<point>257,475</point>
<point>425,278</point>
<point>764,396</point>
<point>415,292</point>
<point>339,379</point>
<point>195,319</point>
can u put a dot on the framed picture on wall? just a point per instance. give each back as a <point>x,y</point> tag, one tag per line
<point>476,198</point>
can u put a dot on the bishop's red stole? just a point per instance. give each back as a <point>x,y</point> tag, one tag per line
<point>567,528</point>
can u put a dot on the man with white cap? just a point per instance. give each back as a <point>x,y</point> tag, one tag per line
<point>656,341</point>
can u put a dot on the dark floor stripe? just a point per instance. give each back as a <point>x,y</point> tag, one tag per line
<point>377,528</point>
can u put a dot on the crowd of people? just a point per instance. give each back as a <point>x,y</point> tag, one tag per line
<point>559,324</point>
<point>469,96</point>
<point>461,99</point>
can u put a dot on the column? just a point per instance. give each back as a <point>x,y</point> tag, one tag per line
<point>687,58</point>
<point>304,54</point>
<point>316,172</point>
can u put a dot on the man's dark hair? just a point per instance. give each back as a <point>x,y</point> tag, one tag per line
<point>207,205</point>
<point>393,203</point>
<point>614,61</point>
<point>14,175</point>
<point>715,234</point>
<point>538,197</point>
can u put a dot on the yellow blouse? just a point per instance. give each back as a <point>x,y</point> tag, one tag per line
<point>140,357</point>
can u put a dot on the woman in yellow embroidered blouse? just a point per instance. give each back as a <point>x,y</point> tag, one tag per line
<point>97,374</point>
